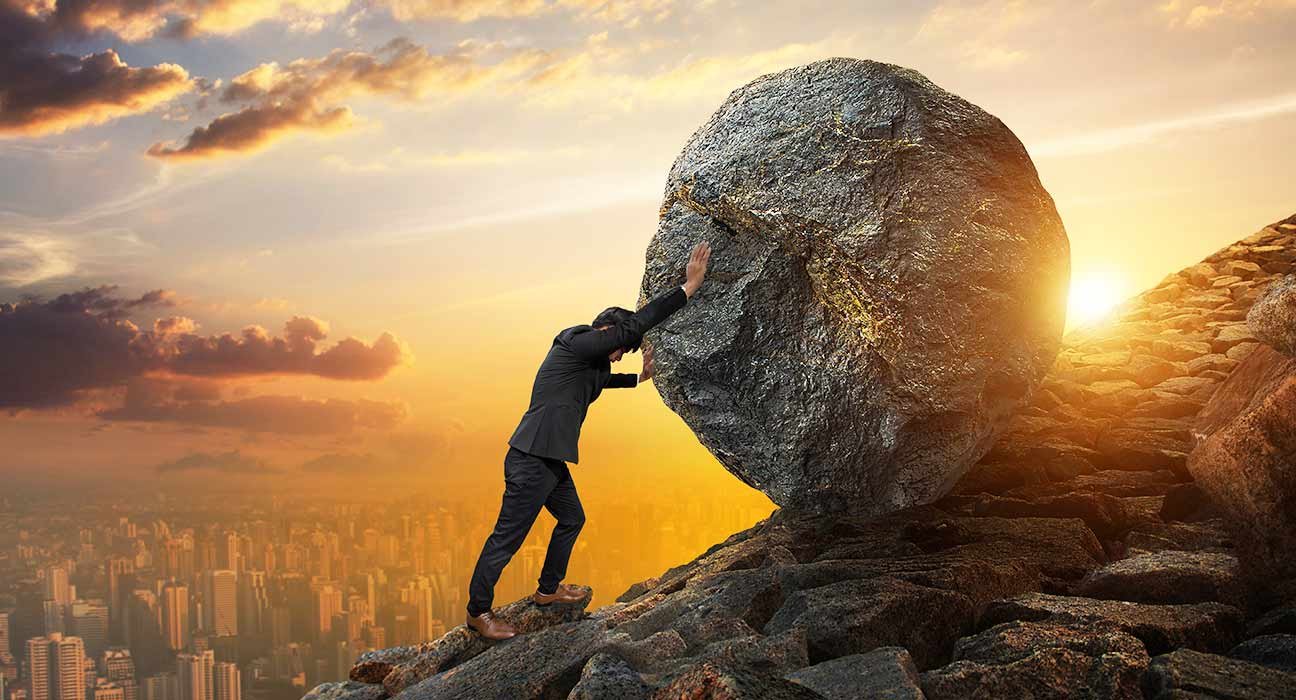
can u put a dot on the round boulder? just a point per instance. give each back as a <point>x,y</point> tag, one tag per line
<point>888,284</point>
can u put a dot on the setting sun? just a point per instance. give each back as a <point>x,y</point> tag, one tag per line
<point>1093,295</point>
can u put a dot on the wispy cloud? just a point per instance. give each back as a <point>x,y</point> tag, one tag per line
<point>1118,137</point>
<point>1198,14</point>
<point>28,259</point>
<point>401,159</point>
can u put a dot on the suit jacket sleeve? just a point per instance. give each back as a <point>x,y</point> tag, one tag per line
<point>629,331</point>
<point>622,381</point>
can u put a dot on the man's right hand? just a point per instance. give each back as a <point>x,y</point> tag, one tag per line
<point>695,271</point>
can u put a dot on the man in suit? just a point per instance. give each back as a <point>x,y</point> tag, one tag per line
<point>571,377</point>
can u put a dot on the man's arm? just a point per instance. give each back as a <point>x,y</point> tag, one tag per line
<point>622,381</point>
<point>630,331</point>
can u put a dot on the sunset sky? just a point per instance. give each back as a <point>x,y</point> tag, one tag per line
<point>407,199</point>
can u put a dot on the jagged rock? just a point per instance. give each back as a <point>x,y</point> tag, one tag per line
<point>885,673</point>
<point>349,690</point>
<point>1134,449</point>
<point>855,616</point>
<point>398,668</point>
<point>1177,349</point>
<point>1186,675</point>
<point>1280,620</point>
<point>1169,576</point>
<point>1207,535</point>
<point>648,653</point>
<point>1204,626</point>
<point>1240,351</point>
<point>1186,502</point>
<point>780,653</point>
<point>606,676</point>
<point>1104,514</point>
<point>544,664</point>
<point>1245,460</point>
<point>720,681</point>
<point>1273,316</point>
<point>1276,651</point>
<point>887,244</point>
<point>712,607</point>
<point>1113,482</point>
<point>1090,659</point>
<point>1142,509</point>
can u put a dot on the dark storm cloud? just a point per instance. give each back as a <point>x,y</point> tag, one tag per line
<point>55,351</point>
<point>52,351</point>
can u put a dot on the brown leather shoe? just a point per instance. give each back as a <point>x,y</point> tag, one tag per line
<point>491,627</point>
<point>563,594</point>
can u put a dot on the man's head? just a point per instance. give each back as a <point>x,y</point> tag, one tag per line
<point>609,317</point>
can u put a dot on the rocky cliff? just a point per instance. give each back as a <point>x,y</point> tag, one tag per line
<point>1077,558</point>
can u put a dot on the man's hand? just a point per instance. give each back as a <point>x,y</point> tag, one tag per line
<point>695,271</point>
<point>647,372</point>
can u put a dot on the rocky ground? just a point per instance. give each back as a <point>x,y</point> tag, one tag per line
<point>1077,559</point>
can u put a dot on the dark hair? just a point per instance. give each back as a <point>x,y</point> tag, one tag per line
<point>611,316</point>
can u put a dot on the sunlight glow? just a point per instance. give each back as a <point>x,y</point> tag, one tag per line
<point>1094,294</point>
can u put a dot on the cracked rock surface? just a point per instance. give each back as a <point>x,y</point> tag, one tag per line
<point>887,285</point>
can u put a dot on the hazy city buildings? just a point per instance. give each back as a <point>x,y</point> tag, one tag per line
<point>193,598</point>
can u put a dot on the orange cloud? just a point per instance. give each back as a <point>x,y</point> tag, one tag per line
<point>304,95</point>
<point>48,93</point>
<point>624,12</point>
<point>43,91</point>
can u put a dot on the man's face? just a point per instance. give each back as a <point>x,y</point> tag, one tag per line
<point>615,355</point>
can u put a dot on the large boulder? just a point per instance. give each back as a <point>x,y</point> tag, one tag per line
<point>1273,317</point>
<point>888,285</point>
<point>1245,460</point>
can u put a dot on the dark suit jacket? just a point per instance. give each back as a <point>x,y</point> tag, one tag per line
<point>575,372</point>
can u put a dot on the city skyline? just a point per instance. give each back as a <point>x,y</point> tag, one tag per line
<point>160,592</point>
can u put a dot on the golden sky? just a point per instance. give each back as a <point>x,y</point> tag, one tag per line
<point>409,198</point>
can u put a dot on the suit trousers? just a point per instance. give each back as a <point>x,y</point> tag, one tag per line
<point>530,483</point>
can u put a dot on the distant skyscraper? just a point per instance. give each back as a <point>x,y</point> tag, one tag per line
<point>144,633</point>
<point>107,690</point>
<point>175,616</point>
<point>57,587</point>
<point>194,675</point>
<point>345,654</point>
<point>228,685</point>
<point>90,622</point>
<point>38,669</point>
<point>220,602</point>
<point>328,602</point>
<point>4,632</point>
<point>54,616</point>
<point>117,665</point>
<point>229,551</point>
<point>55,668</point>
<point>161,686</point>
<point>254,603</point>
<point>121,579</point>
